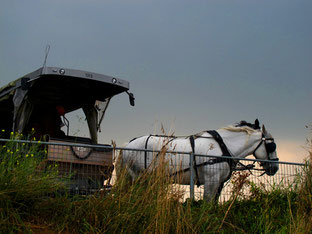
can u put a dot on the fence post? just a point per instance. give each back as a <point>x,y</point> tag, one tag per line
<point>192,178</point>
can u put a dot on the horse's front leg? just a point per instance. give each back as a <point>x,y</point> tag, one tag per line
<point>211,186</point>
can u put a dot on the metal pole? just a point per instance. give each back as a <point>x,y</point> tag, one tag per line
<point>192,178</point>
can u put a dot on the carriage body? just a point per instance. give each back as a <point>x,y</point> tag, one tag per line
<point>87,167</point>
<point>32,105</point>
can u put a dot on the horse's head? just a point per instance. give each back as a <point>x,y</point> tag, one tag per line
<point>266,150</point>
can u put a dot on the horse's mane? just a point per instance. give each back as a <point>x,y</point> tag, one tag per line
<point>245,123</point>
<point>246,129</point>
<point>243,126</point>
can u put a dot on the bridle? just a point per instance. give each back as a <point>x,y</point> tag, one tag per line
<point>270,147</point>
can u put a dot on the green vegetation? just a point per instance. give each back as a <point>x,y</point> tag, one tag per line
<point>31,201</point>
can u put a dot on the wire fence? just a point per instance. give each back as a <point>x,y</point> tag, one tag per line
<point>253,176</point>
<point>90,168</point>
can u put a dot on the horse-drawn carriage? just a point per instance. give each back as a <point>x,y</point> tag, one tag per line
<point>37,103</point>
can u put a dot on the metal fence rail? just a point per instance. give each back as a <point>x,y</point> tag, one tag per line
<point>90,165</point>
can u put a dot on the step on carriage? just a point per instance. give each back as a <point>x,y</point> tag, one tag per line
<point>37,103</point>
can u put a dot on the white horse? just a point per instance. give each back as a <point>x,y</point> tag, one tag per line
<point>236,141</point>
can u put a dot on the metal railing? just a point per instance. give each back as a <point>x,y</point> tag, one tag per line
<point>90,165</point>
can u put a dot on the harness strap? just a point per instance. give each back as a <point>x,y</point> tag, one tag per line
<point>225,152</point>
<point>214,161</point>
<point>263,137</point>
<point>224,149</point>
<point>218,138</point>
<point>146,143</point>
<point>145,152</point>
<point>210,162</point>
<point>192,141</point>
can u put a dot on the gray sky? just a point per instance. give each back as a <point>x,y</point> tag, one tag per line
<point>192,65</point>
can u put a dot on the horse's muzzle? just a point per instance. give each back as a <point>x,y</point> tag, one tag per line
<point>271,169</point>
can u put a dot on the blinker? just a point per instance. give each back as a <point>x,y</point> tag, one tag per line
<point>270,147</point>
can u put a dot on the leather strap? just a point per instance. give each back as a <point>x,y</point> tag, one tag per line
<point>145,152</point>
<point>218,138</point>
<point>192,141</point>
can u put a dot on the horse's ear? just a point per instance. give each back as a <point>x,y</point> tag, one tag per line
<point>257,124</point>
<point>264,130</point>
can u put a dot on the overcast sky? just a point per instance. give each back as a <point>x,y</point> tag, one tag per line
<point>192,65</point>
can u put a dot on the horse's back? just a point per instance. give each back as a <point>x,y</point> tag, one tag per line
<point>135,144</point>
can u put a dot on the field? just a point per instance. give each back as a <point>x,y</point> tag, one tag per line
<point>33,198</point>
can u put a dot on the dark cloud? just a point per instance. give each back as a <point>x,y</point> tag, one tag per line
<point>193,65</point>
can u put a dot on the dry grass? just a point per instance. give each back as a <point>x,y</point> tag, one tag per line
<point>149,204</point>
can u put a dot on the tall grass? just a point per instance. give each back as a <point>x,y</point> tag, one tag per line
<point>303,217</point>
<point>30,201</point>
<point>25,180</point>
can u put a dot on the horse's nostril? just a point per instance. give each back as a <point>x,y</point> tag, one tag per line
<point>271,171</point>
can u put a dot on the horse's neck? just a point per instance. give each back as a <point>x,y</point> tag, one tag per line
<point>240,144</point>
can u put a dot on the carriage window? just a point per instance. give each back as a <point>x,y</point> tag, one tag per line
<point>78,126</point>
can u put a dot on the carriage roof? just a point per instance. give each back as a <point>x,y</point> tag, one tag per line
<point>49,87</point>
<point>66,87</point>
